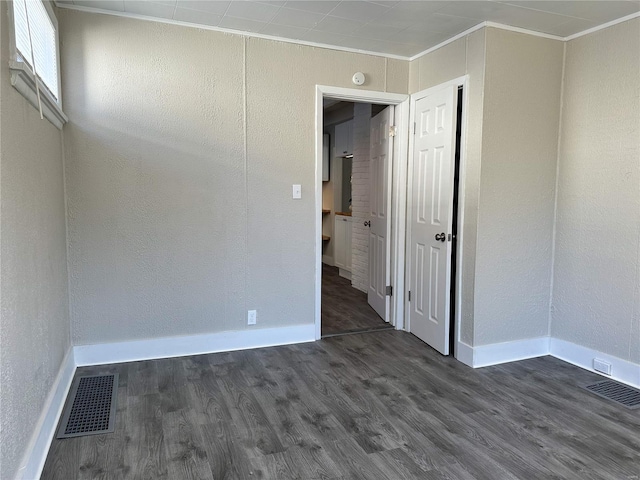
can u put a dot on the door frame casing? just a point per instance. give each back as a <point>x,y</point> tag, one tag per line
<point>456,82</point>
<point>398,193</point>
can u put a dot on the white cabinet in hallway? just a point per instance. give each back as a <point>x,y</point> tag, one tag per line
<point>343,145</point>
<point>342,245</point>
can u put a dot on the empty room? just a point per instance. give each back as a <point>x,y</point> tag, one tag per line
<point>200,200</point>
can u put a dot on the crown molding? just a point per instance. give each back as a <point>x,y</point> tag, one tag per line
<point>603,26</point>
<point>484,25</point>
<point>347,49</point>
<point>448,41</point>
<point>523,30</point>
<point>526,32</point>
<point>170,21</point>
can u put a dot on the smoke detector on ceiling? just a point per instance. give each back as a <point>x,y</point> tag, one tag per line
<point>358,78</point>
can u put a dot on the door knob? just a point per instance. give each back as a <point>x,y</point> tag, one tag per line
<point>441,237</point>
<point>367,224</point>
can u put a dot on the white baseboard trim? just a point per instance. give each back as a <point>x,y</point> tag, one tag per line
<point>36,453</point>
<point>496,353</point>
<point>621,370</point>
<point>328,260</point>
<point>493,354</point>
<point>344,273</point>
<point>192,344</point>
<point>464,354</point>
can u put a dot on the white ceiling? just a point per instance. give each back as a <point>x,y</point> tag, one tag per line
<point>403,28</point>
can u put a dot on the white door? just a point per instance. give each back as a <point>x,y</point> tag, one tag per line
<point>380,155</point>
<point>430,217</point>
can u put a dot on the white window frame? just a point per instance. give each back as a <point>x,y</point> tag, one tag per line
<point>24,80</point>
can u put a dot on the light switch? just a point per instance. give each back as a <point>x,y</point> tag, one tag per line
<point>297,191</point>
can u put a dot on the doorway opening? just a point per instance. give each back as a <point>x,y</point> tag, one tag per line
<point>386,222</point>
<point>357,161</point>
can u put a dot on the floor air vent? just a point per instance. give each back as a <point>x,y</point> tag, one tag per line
<point>93,409</point>
<point>624,395</point>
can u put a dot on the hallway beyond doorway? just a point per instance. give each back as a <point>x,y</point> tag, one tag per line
<point>344,308</point>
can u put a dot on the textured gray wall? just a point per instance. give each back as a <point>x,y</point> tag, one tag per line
<point>181,151</point>
<point>34,324</point>
<point>596,295</point>
<point>521,115</point>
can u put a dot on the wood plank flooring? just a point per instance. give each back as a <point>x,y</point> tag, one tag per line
<point>344,308</point>
<point>372,406</point>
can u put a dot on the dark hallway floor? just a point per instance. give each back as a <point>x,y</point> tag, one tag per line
<point>344,308</point>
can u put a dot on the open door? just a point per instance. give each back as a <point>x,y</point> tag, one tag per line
<point>381,154</point>
<point>433,172</point>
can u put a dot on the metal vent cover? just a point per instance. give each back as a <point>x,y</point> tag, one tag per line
<point>93,409</point>
<point>618,392</point>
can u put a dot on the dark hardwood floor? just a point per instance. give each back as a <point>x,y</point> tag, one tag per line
<point>372,406</point>
<point>344,308</point>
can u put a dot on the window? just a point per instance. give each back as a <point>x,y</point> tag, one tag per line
<point>34,57</point>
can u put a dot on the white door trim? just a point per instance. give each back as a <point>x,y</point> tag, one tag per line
<point>398,199</point>
<point>464,81</point>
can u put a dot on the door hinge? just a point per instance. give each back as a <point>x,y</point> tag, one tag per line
<point>409,295</point>
<point>414,128</point>
<point>389,290</point>
<point>393,131</point>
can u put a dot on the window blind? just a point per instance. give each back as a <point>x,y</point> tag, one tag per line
<point>43,39</point>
